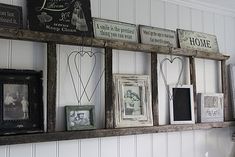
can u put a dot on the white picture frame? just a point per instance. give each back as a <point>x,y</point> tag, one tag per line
<point>132,98</point>
<point>210,107</point>
<point>181,104</point>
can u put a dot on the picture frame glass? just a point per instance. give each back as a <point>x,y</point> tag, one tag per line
<point>81,118</point>
<point>132,101</point>
<point>16,103</point>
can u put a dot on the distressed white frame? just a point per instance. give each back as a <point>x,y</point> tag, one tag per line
<point>120,119</point>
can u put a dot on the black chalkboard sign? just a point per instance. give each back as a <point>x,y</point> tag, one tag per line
<point>60,16</point>
<point>182,110</point>
<point>11,16</point>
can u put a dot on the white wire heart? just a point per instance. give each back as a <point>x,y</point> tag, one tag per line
<point>171,60</point>
<point>83,84</point>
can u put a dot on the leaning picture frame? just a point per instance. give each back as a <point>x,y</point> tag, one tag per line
<point>80,117</point>
<point>21,105</point>
<point>231,69</point>
<point>132,100</point>
<point>181,104</point>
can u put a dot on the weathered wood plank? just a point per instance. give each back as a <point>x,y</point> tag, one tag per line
<point>227,106</point>
<point>154,78</point>
<point>70,135</point>
<point>51,86</point>
<point>109,104</point>
<point>114,44</point>
<point>194,83</point>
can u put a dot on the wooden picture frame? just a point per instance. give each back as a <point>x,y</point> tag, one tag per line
<point>21,106</point>
<point>80,117</point>
<point>181,104</point>
<point>211,107</point>
<point>132,100</point>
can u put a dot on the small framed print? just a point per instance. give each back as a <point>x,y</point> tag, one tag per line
<point>132,101</point>
<point>21,104</point>
<point>80,117</point>
<point>181,104</point>
<point>211,107</point>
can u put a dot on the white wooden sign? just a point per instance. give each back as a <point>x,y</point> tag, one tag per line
<point>157,36</point>
<point>211,107</point>
<point>197,41</point>
<point>107,29</point>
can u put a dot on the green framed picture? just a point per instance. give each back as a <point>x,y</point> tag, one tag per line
<point>80,117</point>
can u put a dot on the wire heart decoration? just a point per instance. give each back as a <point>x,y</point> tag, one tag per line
<point>84,85</point>
<point>171,60</point>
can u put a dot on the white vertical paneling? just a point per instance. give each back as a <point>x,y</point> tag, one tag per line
<point>90,148</point>
<point>197,25</point>
<point>174,144</point>
<point>187,147</point>
<point>127,146</point>
<point>184,18</point>
<point>158,13</point>
<point>47,149</point>
<point>4,53</point>
<point>144,145</point>
<point>108,9</point>
<point>3,151</point>
<point>171,16</point>
<point>160,145</point>
<point>211,69</point>
<point>109,147</point>
<point>200,143</point>
<point>68,148</point>
<point>24,150</point>
<point>212,143</point>
<point>220,31</point>
<point>230,37</point>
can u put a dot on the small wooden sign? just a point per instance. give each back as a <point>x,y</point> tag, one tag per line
<point>11,16</point>
<point>107,29</point>
<point>60,16</point>
<point>197,41</point>
<point>157,36</point>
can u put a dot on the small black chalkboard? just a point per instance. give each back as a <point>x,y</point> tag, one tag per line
<point>11,16</point>
<point>60,16</point>
<point>182,105</point>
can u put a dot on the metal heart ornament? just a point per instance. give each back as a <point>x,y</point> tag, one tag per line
<point>171,60</point>
<point>72,60</point>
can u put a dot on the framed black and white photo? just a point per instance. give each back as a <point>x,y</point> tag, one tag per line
<point>80,117</point>
<point>132,101</point>
<point>211,107</point>
<point>61,16</point>
<point>181,104</point>
<point>21,104</point>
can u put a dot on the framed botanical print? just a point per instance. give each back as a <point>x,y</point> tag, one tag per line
<point>21,104</point>
<point>80,117</point>
<point>181,104</point>
<point>132,101</point>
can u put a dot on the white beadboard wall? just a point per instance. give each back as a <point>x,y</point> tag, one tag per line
<point>170,14</point>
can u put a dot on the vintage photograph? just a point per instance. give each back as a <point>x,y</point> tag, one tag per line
<point>21,105</point>
<point>80,117</point>
<point>132,99</point>
<point>16,104</point>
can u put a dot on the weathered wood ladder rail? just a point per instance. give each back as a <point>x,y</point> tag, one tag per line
<point>53,39</point>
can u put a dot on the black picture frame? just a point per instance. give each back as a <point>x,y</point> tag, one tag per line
<point>71,17</point>
<point>21,105</point>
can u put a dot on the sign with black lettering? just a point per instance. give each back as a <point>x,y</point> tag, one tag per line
<point>60,16</point>
<point>108,29</point>
<point>157,36</point>
<point>10,16</point>
<point>197,41</point>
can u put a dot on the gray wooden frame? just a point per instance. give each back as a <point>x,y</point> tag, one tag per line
<point>53,39</point>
